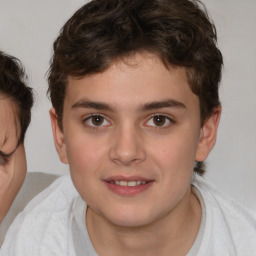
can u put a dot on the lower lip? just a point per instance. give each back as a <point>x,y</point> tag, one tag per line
<point>128,191</point>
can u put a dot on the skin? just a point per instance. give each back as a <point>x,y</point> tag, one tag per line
<point>12,157</point>
<point>130,141</point>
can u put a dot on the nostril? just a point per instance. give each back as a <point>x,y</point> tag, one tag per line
<point>125,147</point>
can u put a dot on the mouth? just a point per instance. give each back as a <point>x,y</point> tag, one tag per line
<point>128,186</point>
<point>132,183</point>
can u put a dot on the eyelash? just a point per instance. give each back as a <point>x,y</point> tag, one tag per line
<point>3,160</point>
<point>166,119</point>
<point>89,119</point>
<point>89,122</point>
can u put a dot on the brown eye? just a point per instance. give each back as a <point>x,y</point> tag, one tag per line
<point>97,120</point>
<point>159,120</point>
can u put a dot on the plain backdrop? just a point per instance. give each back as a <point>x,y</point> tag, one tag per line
<point>29,27</point>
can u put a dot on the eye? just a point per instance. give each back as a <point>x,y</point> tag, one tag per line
<point>96,121</point>
<point>159,121</point>
<point>3,160</point>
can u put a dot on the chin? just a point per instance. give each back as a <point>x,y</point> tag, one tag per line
<point>130,218</point>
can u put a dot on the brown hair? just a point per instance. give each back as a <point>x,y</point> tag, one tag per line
<point>13,86</point>
<point>179,32</point>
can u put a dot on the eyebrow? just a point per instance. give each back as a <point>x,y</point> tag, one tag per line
<point>162,104</point>
<point>167,103</point>
<point>92,104</point>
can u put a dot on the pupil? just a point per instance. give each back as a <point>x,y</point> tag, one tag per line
<point>97,120</point>
<point>159,120</point>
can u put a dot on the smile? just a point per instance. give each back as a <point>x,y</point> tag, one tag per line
<point>124,183</point>
<point>128,186</point>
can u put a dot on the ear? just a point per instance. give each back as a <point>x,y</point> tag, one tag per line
<point>208,135</point>
<point>58,137</point>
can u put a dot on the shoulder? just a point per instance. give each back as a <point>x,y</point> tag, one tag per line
<point>53,198</point>
<point>34,183</point>
<point>217,199</point>
<point>43,225</point>
<point>231,226</point>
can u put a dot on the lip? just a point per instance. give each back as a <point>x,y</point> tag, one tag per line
<point>127,190</point>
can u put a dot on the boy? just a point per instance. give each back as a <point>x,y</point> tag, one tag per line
<point>16,100</point>
<point>134,88</point>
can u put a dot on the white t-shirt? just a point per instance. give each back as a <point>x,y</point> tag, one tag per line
<point>53,223</point>
<point>34,183</point>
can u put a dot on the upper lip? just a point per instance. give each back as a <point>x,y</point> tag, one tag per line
<point>127,178</point>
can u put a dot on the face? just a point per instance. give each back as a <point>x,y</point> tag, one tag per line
<point>12,158</point>
<point>131,135</point>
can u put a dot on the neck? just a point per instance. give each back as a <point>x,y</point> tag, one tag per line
<point>172,234</point>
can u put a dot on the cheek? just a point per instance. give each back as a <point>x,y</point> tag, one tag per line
<point>175,154</point>
<point>174,159</point>
<point>85,155</point>
<point>21,162</point>
<point>83,158</point>
<point>12,174</point>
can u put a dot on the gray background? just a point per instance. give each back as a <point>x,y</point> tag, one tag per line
<point>29,27</point>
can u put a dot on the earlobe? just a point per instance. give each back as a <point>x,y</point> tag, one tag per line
<point>58,137</point>
<point>208,135</point>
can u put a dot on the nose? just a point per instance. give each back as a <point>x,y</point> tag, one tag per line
<point>127,146</point>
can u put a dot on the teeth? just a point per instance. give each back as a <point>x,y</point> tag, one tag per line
<point>131,183</point>
<point>124,183</point>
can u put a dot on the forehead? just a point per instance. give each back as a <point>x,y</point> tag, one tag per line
<point>136,80</point>
<point>9,125</point>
